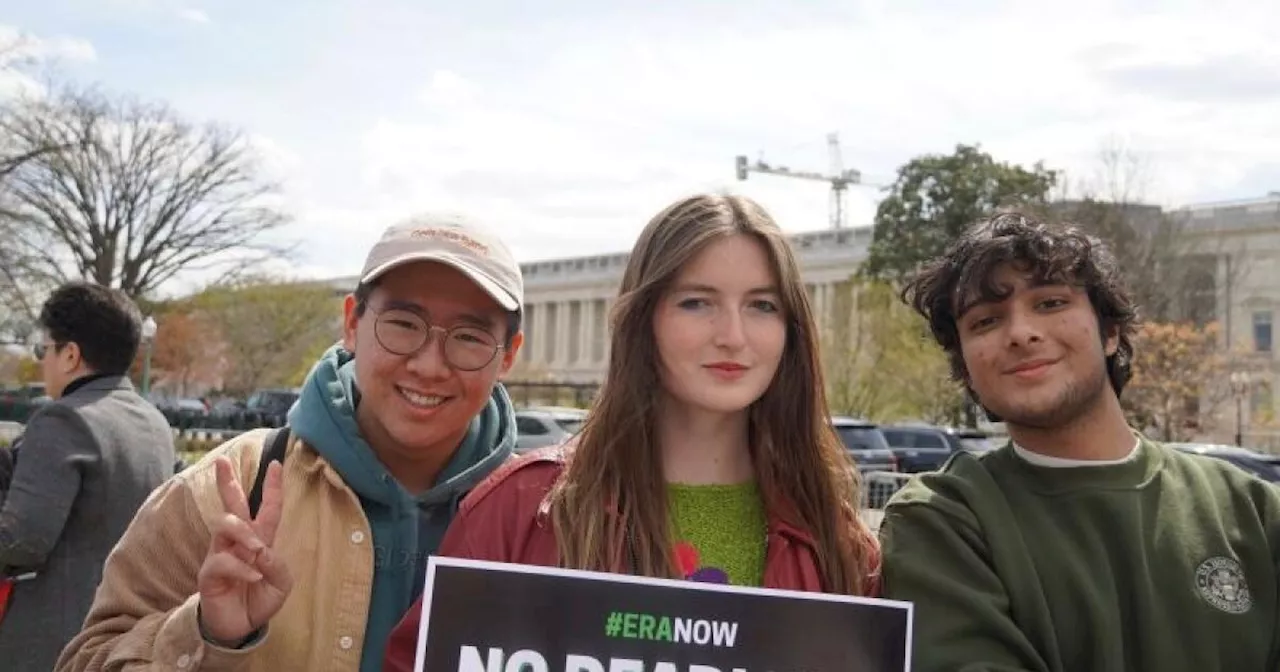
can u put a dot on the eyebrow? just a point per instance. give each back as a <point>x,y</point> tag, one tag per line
<point>708,289</point>
<point>409,306</point>
<point>983,297</point>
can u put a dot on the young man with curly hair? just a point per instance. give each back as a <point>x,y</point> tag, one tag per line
<point>1081,545</point>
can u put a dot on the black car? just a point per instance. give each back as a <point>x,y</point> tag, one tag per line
<point>866,445</point>
<point>875,462</point>
<point>1262,465</point>
<point>926,447</point>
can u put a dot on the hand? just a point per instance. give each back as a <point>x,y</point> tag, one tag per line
<point>243,581</point>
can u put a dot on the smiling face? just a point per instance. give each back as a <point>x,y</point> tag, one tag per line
<point>1035,357</point>
<point>418,405</point>
<point>720,328</point>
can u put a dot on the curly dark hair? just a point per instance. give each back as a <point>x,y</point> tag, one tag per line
<point>1051,252</point>
<point>105,324</point>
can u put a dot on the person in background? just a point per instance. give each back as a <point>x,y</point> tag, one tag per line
<point>8,459</point>
<point>89,458</point>
<point>393,426</point>
<point>709,454</point>
<point>1080,545</point>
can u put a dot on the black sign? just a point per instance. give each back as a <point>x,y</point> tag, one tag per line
<point>494,617</point>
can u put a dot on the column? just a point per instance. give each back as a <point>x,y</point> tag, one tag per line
<point>562,332</point>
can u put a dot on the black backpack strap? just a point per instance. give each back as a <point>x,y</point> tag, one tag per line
<point>273,449</point>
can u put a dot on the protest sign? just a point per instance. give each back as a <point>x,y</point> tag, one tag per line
<point>496,617</point>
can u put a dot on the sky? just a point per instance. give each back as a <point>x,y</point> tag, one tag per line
<point>567,124</point>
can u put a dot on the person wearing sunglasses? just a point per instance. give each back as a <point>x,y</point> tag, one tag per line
<point>89,459</point>
<point>393,426</point>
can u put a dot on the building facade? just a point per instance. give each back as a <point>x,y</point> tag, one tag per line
<point>1240,240</point>
<point>568,301</point>
<point>1237,245</point>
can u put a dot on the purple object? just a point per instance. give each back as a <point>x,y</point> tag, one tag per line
<point>710,575</point>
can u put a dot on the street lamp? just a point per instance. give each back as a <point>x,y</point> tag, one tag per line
<point>148,337</point>
<point>1240,382</point>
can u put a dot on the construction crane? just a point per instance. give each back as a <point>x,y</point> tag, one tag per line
<point>839,177</point>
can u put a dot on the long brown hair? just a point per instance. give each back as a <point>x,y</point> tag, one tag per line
<point>610,506</point>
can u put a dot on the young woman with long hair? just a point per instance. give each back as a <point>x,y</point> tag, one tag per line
<point>709,453</point>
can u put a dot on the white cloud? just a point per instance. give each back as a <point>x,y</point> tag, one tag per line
<point>579,127</point>
<point>23,55</point>
<point>194,15</point>
<point>575,155</point>
<point>17,45</point>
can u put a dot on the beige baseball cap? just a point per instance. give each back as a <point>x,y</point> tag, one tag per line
<point>456,240</point>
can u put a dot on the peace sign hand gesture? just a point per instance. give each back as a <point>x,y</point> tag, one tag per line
<point>243,581</point>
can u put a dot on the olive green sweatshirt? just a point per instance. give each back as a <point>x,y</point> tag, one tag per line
<point>1164,563</point>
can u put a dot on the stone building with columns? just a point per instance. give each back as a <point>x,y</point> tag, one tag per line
<point>1237,249</point>
<point>1237,245</point>
<point>568,301</point>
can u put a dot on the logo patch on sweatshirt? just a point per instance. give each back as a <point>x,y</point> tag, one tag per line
<point>1221,583</point>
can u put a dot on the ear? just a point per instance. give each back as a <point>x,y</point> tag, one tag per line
<point>69,358</point>
<point>350,323</point>
<point>509,354</point>
<point>1111,341</point>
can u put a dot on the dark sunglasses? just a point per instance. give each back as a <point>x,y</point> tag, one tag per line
<point>39,350</point>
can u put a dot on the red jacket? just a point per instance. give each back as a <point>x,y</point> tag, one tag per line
<point>506,519</point>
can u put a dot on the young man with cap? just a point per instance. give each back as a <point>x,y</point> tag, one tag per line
<point>394,425</point>
<point>1081,545</point>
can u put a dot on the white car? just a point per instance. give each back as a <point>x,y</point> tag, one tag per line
<point>540,426</point>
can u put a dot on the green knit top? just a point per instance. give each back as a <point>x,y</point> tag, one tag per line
<point>719,532</point>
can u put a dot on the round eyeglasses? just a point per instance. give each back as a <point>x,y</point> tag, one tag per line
<point>402,332</point>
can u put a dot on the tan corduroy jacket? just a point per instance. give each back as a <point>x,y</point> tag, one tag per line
<point>144,614</point>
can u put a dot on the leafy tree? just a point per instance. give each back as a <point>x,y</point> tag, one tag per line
<point>269,329</point>
<point>308,361</point>
<point>935,198</point>
<point>29,371</point>
<point>17,367</point>
<point>186,351</point>
<point>880,362</point>
<point>1177,372</point>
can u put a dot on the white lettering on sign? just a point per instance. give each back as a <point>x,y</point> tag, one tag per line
<point>528,660</point>
<point>702,631</point>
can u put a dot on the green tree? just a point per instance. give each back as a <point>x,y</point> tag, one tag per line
<point>308,361</point>
<point>936,197</point>
<point>880,362</point>
<point>269,329</point>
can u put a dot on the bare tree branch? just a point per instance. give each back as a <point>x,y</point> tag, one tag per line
<point>1166,268</point>
<point>131,196</point>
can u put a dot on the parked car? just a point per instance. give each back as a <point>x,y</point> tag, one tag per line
<point>920,448</point>
<point>269,407</point>
<point>976,441</point>
<point>866,444</point>
<point>539,426</point>
<point>182,413</point>
<point>871,456</point>
<point>1262,465</point>
<point>926,447</point>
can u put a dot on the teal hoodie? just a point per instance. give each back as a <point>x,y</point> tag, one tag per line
<point>406,529</point>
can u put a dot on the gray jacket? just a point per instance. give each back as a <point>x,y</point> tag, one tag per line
<point>87,463</point>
